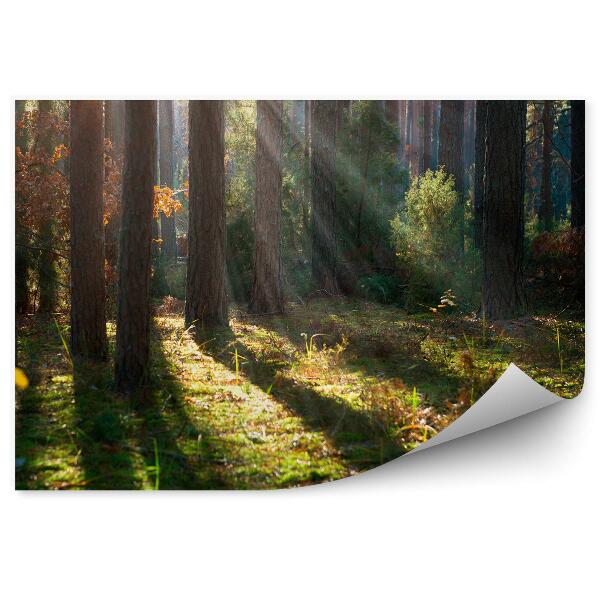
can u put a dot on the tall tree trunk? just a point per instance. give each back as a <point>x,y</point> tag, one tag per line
<point>323,195</point>
<point>307,137</point>
<point>88,298</point>
<point>577,163</point>
<point>47,275</point>
<point>426,135</point>
<point>546,207</point>
<point>206,300</point>
<point>503,294</point>
<point>480,133</point>
<point>133,310</point>
<point>469,139</point>
<point>451,157</point>
<point>22,237</point>
<point>435,134</point>
<point>167,223</point>
<point>408,134</point>
<point>415,154</point>
<point>267,288</point>
<point>402,130</point>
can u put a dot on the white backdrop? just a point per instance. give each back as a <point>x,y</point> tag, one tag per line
<point>511,512</point>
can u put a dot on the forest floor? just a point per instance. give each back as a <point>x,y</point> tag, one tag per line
<point>332,388</point>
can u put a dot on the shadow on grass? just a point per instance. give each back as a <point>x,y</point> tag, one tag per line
<point>378,355</point>
<point>355,435</point>
<point>83,435</point>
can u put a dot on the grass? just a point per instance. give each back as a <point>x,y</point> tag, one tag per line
<point>328,390</point>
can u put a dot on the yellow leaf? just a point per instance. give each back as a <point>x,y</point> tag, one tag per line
<point>21,380</point>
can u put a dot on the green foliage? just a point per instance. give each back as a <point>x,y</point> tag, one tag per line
<point>428,244</point>
<point>370,186</point>
<point>381,287</point>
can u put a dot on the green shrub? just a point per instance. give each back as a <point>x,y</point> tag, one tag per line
<point>381,287</point>
<point>428,245</point>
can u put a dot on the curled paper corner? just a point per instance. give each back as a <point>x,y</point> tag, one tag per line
<point>513,395</point>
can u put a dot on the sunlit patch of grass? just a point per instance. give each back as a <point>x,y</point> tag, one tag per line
<point>259,405</point>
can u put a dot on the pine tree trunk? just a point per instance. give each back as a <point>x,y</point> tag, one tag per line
<point>22,236</point>
<point>546,207</point>
<point>469,139</point>
<point>415,154</point>
<point>206,300</point>
<point>167,223</point>
<point>451,157</point>
<point>426,135</point>
<point>47,275</point>
<point>480,129</point>
<point>435,133</point>
<point>402,130</point>
<point>267,288</point>
<point>503,294</point>
<point>133,311</point>
<point>306,181</point>
<point>88,298</point>
<point>577,163</point>
<point>323,195</point>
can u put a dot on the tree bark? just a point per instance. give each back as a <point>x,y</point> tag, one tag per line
<point>206,300</point>
<point>133,309</point>
<point>577,163</point>
<point>427,134</point>
<point>451,157</point>
<point>480,133</point>
<point>167,223</point>
<point>323,195</point>
<point>88,297</point>
<point>503,294</point>
<point>546,207</point>
<point>267,288</point>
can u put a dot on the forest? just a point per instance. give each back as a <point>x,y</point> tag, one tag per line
<point>250,294</point>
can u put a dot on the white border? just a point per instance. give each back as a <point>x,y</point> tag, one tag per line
<point>510,512</point>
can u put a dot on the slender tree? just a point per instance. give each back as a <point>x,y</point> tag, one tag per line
<point>427,122</point>
<point>22,235</point>
<point>323,195</point>
<point>88,301</point>
<point>435,133</point>
<point>546,207</point>
<point>47,275</point>
<point>480,129</point>
<point>206,300</point>
<point>469,139</point>
<point>417,135</point>
<point>167,223</point>
<point>306,180</point>
<point>133,308</point>
<point>451,156</point>
<point>577,163</point>
<point>503,294</point>
<point>267,288</point>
